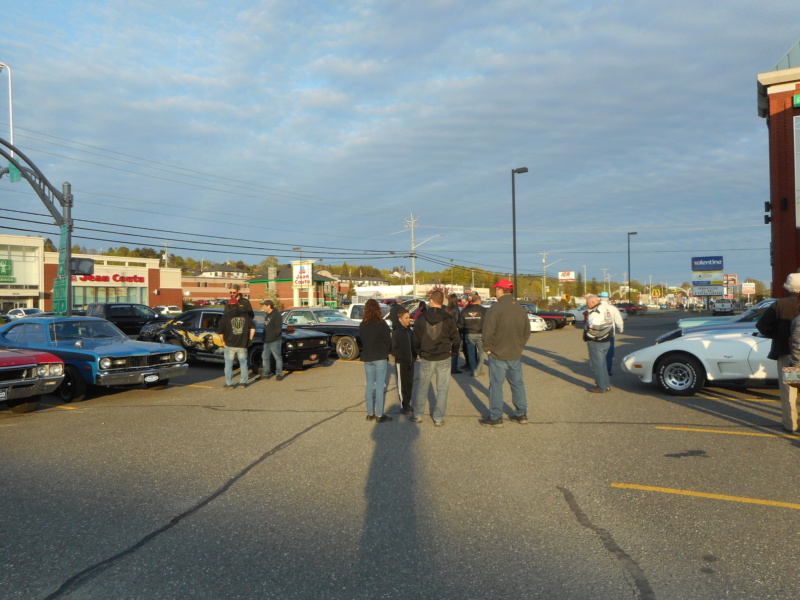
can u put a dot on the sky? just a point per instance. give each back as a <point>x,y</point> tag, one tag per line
<point>316,130</point>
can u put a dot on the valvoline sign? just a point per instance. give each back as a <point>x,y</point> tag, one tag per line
<point>707,263</point>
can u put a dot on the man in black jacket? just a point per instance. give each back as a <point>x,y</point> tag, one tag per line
<point>273,341</point>
<point>436,340</point>
<point>470,322</point>
<point>404,358</point>
<point>236,330</point>
<point>776,324</point>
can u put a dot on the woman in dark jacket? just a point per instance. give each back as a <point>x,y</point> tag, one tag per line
<point>454,311</point>
<point>376,343</point>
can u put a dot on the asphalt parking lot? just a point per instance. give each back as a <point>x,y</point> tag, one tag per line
<point>283,490</point>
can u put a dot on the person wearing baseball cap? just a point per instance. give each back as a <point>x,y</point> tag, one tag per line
<point>506,330</point>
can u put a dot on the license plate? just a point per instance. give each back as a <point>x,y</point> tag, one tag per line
<point>150,378</point>
<point>3,394</point>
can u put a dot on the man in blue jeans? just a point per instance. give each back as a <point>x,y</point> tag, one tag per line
<point>436,341</point>
<point>236,330</point>
<point>273,340</point>
<point>506,330</point>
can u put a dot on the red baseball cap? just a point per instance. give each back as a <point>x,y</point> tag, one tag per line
<point>505,284</point>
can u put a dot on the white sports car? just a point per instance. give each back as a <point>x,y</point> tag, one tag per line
<point>684,365</point>
<point>537,323</point>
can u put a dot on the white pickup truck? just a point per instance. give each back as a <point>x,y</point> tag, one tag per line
<point>722,306</point>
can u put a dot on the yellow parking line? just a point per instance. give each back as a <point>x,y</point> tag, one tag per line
<point>751,433</point>
<point>650,488</point>
<point>204,387</point>
<point>67,407</point>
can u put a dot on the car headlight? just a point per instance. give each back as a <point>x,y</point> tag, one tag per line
<point>42,371</point>
<point>289,346</point>
<point>57,369</point>
<point>180,356</point>
<point>105,363</point>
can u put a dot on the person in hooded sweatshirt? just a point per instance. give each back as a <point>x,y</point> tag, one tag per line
<point>436,341</point>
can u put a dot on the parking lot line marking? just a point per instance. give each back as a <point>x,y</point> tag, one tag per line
<point>791,436</point>
<point>67,407</point>
<point>650,488</point>
<point>205,387</point>
<point>720,396</point>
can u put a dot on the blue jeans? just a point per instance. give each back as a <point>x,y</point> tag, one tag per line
<point>475,352</point>
<point>375,371</point>
<point>272,349</point>
<point>427,368</point>
<point>230,354</point>
<point>499,372</point>
<point>597,360</point>
<point>610,356</point>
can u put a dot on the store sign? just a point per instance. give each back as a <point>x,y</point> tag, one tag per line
<point>115,278</point>
<point>748,287</point>
<point>707,263</point>
<point>566,276</point>
<point>708,290</point>
<point>712,278</point>
<point>301,275</point>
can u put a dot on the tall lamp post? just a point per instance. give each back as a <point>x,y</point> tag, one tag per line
<point>414,258</point>
<point>630,233</point>
<point>10,106</point>
<point>514,221</point>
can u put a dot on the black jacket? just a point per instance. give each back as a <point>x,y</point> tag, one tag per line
<point>436,335</point>
<point>471,318</point>
<point>376,340</point>
<point>776,324</point>
<point>273,326</point>
<point>403,344</point>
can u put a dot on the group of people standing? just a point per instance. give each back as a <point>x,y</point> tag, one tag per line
<point>497,334</point>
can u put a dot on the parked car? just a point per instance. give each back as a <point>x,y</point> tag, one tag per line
<point>751,314</point>
<point>127,316</point>
<point>627,307</point>
<point>95,353</point>
<point>18,313</point>
<point>749,318</point>
<point>537,323</point>
<point>553,319</point>
<point>722,306</point>
<point>196,331</point>
<point>356,312</point>
<point>27,374</point>
<point>580,314</point>
<point>168,309</point>
<point>681,367</point>
<point>342,332</point>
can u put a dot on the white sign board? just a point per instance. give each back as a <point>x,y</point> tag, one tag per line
<point>710,278</point>
<point>566,275</point>
<point>708,290</point>
<point>749,287</point>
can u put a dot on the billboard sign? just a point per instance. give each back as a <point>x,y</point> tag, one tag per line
<point>710,278</point>
<point>707,290</point>
<point>301,275</point>
<point>707,263</point>
<point>748,287</point>
<point>566,276</point>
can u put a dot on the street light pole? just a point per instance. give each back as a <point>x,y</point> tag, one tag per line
<point>630,233</point>
<point>10,107</point>
<point>414,247</point>
<point>514,221</point>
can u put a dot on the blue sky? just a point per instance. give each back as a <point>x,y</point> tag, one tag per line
<point>246,129</point>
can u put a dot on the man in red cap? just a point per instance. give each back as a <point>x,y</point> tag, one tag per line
<point>506,330</point>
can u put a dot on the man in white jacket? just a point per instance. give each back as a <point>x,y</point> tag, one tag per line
<point>618,327</point>
<point>597,333</point>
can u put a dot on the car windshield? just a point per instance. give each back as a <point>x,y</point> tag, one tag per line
<point>82,330</point>
<point>329,316</point>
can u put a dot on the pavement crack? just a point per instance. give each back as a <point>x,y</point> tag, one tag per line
<point>629,566</point>
<point>96,569</point>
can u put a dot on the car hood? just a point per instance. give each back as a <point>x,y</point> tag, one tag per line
<point>115,347</point>
<point>13,357</point>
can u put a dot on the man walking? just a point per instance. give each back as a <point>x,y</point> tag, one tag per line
<point>619,326</point>
<point>470,322</point>
<point>506,330</point>
<point>273,341</point>
<point>236,330</point>
<point>597,333</point>
<point>436,341</point>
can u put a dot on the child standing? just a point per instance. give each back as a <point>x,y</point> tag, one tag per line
<point>404,358</point>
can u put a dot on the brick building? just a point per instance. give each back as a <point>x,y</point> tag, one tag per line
<point>779,104</point>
